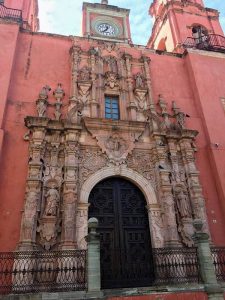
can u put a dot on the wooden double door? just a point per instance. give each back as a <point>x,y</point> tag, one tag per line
<point>125,245</point>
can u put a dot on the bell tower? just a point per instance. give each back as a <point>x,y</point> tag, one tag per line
<point>106,22</point>
<point>177,20</point>
<point>29,9</point>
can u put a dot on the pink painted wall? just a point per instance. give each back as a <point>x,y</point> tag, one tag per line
<point>39,60</point>
<point>8,42</point>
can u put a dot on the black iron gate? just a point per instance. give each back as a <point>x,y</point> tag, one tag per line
<point>126,253</point>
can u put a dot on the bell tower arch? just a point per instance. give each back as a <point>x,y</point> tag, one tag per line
<point>174,22</point>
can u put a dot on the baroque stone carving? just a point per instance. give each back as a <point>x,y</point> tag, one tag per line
<point>49,223</point>
<point>42,101</point>
<point>139,81</point>
<point>111,64</point>
<point>84,97</point>
<point>30,211</point>
<point>142,162</point>
<point>84,74</point>
<point>116,142</point>
<point>81,226</point>
<point>156,226</point>
<point>184,214</point>
<point>92,160</point>
<point>52,201</point>
<point>58,94</point>
<point>111,80</point>
<point>69,216</point>
<point>74,114</point>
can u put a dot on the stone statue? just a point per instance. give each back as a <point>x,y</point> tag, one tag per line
<point>41,107</point>
<point>139,82</point>
<point>52,200</point>
<point>85,74</point>
<point>44,92</point>
<point>75,112</point>
<point>183,204</point>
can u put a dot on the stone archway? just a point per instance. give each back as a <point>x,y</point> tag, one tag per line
<point>154,210</point>
<point>125,244</point>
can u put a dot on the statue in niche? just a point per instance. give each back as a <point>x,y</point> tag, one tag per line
<point>183,204</point>
<point>111,65</point>
<point>85,74</point>
<point>139,81</point>
<point>52,201</point>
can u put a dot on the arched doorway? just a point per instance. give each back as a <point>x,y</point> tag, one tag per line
<point>126,257</point>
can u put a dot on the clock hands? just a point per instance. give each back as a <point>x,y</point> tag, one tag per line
<point>106,29</point>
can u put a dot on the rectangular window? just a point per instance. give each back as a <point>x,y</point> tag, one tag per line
<point>112,107</point>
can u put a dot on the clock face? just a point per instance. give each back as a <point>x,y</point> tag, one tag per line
<point>106,29</point>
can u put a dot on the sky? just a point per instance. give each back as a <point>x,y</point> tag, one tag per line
<point>64,17</point>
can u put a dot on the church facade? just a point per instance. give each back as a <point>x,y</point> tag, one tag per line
<point>95,126</point>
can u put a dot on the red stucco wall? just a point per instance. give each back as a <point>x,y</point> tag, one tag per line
<point>174,296</point>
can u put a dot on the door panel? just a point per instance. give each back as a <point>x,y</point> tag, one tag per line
<point>126,259</point>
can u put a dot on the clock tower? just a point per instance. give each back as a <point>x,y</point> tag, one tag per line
<point>106,22</point>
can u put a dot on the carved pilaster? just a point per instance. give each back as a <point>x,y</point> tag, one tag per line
<point>156,225</point>
<point>94,103</point>
<point>33,190</point>
<point>166,195</point>
<point>75,53</point>
<point>147,61</point>
<point>132,105</point>
<point>195,189</point>
<point>70,190</point>
<point>68,240</point>
<point>81,225</point>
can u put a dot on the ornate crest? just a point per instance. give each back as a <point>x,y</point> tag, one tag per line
<point>117,142</point>
<point>112,80</point>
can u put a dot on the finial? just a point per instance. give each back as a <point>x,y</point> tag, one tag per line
<point>104,1</point>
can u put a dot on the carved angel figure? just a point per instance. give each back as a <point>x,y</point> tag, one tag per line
<point>52,200</point>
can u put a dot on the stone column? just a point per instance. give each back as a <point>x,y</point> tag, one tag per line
<point>166,194</point>
<point>147,61</point>
<point>132,106</point>
<point>70,189</point>
<point>33,187</point>
<point>93,259</point>
<point>207,269</point>
<point>94,103</point>
<point>156,226</point>
<point>195,189</point>
<point>75,51</point>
